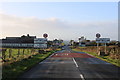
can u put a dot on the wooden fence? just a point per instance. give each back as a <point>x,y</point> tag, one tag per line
<point>11,54</point>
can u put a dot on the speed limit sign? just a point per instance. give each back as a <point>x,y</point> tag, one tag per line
<point>98,35</point>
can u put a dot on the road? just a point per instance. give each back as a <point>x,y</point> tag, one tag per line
<point>67,64</point>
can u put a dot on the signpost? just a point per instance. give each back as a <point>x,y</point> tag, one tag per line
<point>101,40</point>
<point>45,36</point>
<point>98,36</point>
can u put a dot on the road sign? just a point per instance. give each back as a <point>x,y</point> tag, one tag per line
<point>98,35</point>
<point>45,35</point>
<point>102,40</point>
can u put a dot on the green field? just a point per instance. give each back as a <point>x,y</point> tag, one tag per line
<point>12,55</point>
<point>14,69</point>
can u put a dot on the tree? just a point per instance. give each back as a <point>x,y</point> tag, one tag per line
<point>71,42</point>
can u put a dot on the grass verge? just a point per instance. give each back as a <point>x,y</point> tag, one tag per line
<point>104,58</point>
<point>12,71</point>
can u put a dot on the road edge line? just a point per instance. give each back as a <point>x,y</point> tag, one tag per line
<point>82,77</point>
<point>75,62</point>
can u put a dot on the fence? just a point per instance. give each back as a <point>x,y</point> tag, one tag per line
<point>11,54</point>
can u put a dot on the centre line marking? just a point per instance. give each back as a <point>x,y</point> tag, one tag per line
<point>75,62</point>
<point>82,77</point>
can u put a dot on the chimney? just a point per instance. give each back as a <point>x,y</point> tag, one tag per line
<point>28,35</point>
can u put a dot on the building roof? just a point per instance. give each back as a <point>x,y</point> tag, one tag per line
<point>22,39</point>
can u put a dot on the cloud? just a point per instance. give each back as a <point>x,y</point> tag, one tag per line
<point>56,28</point>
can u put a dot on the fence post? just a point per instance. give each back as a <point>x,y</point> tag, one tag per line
<point>27,51</point>
<point>18,52</point>
<point>23,52</point>
<point>3,54</point>
<point>31,51</point>
<point>10,53</point>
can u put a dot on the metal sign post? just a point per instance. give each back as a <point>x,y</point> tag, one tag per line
<point>98,36</point>
<point>105,49</point>
<point>103,40</point>
<point>97,47</point>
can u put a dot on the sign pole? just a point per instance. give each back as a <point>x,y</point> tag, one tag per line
<point>105,48</point>
<point>97,47</point>
<point>98,36</point>
<point>102,40</point>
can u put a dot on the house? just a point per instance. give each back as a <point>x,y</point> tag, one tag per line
<point>24,42</point>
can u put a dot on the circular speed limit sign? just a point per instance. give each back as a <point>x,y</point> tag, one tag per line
<point>45,35</point>
<point>98,35</point>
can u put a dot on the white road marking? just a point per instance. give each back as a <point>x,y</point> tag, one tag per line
<point>77,66</point>
<point>90,55</point>
<point>75,62</point>
<point>82,77</point>
<point>55,62</point>
<point>51,55</point>
<point>42,62</point>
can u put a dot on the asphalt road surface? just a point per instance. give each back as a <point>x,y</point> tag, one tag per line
<point>66,64</point>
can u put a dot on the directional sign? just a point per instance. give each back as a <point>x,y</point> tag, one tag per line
<point>102,40</point>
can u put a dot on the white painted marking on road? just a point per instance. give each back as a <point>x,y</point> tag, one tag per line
<point>51,55</point>
<point>90,55</point>
<point>75,62</point>
<point>41,62</point>
<point>82,77</point>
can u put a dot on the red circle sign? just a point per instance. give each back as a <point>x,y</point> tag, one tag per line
<point>45,35</point>
<point>98,35</point>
